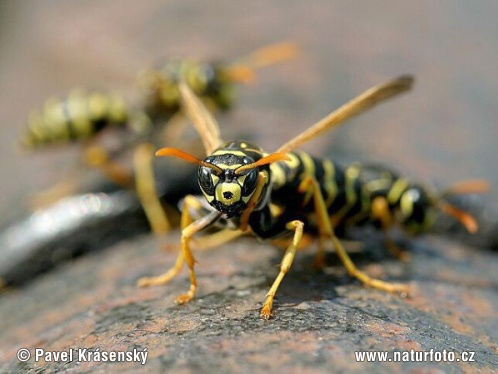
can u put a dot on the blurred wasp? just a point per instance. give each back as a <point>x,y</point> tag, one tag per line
<point>213,81</point>
<point>281,193</point>
<point>83,116</point>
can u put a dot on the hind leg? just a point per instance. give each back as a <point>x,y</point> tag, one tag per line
<point>380,211</point>
<point>325,228</point>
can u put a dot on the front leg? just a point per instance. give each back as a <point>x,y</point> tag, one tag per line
<point>287,260</point>
<point>189,228</point>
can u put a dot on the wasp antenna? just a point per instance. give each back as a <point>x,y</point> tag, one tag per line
<point>467,187</point>
<point>164,152</point>
<point>467,220</point>
<point>274,157</point>
<point>173,152</point>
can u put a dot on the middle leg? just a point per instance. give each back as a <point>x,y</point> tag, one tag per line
<point>325,227</point>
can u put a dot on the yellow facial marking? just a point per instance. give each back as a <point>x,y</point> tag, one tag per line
<point>242,179</point>
<point>214,178</point>
<point>228,152</point>
<point>225,166</point>
<point>246,199</point>
<point>232,190</point>
<point>209,198</point>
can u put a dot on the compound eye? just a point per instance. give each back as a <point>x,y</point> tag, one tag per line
<point>205,178</point>
<point>248,182</point>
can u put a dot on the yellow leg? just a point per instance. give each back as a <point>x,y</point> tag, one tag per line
<point>189,228</point>
<point>210,241</point>
<point>305,242</point>
<point>146,189</point>
<point>96,156</point>
<point>326,227</point>
<point>380,211</point>
<point>289,254</point>
<point>165,278</point>
<point>216,239</point>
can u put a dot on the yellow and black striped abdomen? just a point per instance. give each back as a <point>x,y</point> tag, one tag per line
<point>288,175</point>
<point>408,204</point>
<point>79,116</point>
<point>348,192</point>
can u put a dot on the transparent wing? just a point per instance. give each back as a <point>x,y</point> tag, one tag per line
<point>358,105</point>
<point>201,118</point>
<point>243,70</point>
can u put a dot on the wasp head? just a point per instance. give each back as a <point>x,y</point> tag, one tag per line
<point>227,189</point>
<point>229,178</point>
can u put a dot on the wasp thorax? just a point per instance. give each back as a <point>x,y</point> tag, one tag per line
<point>224,188</point>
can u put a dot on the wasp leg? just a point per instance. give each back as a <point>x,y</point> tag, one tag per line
<point>165,278</point>
<point>216,239</point>
<point>380,211</point>
<point>319,261</point>
<point>98,157</point>
<point>305,242</point>
<point>289,254</point>
<point>146,189</point>
<point>326,227</point>
<point>207,242</point>
<point>189,229</point>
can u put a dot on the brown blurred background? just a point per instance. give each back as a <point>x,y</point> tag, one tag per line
<point>444,131</point>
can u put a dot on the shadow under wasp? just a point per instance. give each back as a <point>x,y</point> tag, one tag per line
<point>286,192</point>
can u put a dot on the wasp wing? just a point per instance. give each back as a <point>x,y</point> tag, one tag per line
<point>358,105</point>
<point>201,118</point>
<point>243,70</point>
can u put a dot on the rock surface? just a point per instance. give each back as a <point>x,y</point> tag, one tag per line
<point>320,319</point>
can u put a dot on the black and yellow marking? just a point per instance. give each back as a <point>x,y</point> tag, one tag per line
<point>207,80</point>
<point>212,81</point>
<point>79,116</point>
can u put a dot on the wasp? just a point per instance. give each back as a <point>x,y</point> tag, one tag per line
<point>212,81</point>
<point>81,118</point>
<point>270,195</point>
